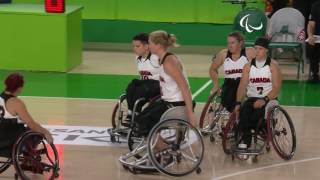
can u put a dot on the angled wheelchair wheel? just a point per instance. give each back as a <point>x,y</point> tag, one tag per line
<point>175,148</point>
<point>119,112</point>
<point>209,111</point>
<point>229,134</point>
<point>282,132</point>
<point>34,158</point>
<point>5,163</point>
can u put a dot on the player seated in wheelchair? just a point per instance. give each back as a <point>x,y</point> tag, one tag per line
<point>14,116</point>
<point>233,60</point>
<point>148,66</point>
<point>175,90</point>
<point>261,82</point>
<point>167,145</point>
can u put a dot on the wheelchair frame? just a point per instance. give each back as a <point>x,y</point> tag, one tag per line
<point>118,130</point>
<point>216,122</point>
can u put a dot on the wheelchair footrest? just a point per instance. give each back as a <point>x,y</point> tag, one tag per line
<point>137,170</point>
<point>121,131</point>
<point>249,151</point>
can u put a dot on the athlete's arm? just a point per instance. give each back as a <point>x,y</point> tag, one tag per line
<point>217,61</point>
<point>174,69</point>
<point>276,80</point>
<point>21,111</point>
<point>243,82</point>
<point>310,30</point>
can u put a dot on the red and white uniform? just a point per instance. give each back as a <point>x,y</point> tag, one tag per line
<point>148,67</point>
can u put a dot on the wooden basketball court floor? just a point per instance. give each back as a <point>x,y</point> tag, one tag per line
<point>83,162</point>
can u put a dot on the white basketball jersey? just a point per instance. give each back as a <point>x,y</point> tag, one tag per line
<point>170,90</point>
<point>148,67</point>
<point>4,114</point>
<point>233,69</point>
<point>260,82</point>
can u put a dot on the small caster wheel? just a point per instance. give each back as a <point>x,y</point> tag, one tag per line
<point>56,175</point>
<point>16,176</point>
<point>255,159</point>
<point>179,158</point>
<point>198,171</point>
<point>133,170</point>
<point>268,148</point>
<point>112,138</point>
<point>212,139</point>
<point>125,167</point>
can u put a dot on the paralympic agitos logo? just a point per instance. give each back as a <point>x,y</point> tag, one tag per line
<point>245,24</point>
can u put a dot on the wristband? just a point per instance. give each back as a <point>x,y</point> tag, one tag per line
<point>238,103</point>
<point>266,99</point>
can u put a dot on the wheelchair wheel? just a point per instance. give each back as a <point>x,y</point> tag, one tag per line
<point>282,132</point>
<point>119,112</point>
<point>33,156</point>
<point>229,134</point>
<point>209,111</point>
<point>133,141</point>
<point>5,163</point>
<point>175,147</point>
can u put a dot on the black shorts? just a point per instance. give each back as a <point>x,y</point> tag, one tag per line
<point>229,93</point>
<point>313,52</point>
<point>249,118</point>
<point>137,89</point>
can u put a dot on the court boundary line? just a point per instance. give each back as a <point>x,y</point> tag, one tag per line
<point>202,88</point>
<point>266,167</point>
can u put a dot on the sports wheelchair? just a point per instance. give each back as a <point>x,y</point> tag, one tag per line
<point>31,156</point>
<point>121,127</point>
<point>275,128</point>
<point>173,147</point>
<point>213,117</point>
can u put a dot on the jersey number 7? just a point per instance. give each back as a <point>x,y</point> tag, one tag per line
<point>260,90</point>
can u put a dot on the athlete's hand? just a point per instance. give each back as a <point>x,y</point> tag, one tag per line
<point>237,110</point>
<point>259,103</point>
<point>193,120</point>
<point>214,89</point>
<point>49,137</point>
<point>312,40</point>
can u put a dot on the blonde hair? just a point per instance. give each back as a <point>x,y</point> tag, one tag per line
<point>239,37</point>
<point>163,38</point>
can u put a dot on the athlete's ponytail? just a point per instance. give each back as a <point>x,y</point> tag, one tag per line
<point>163,38</point>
